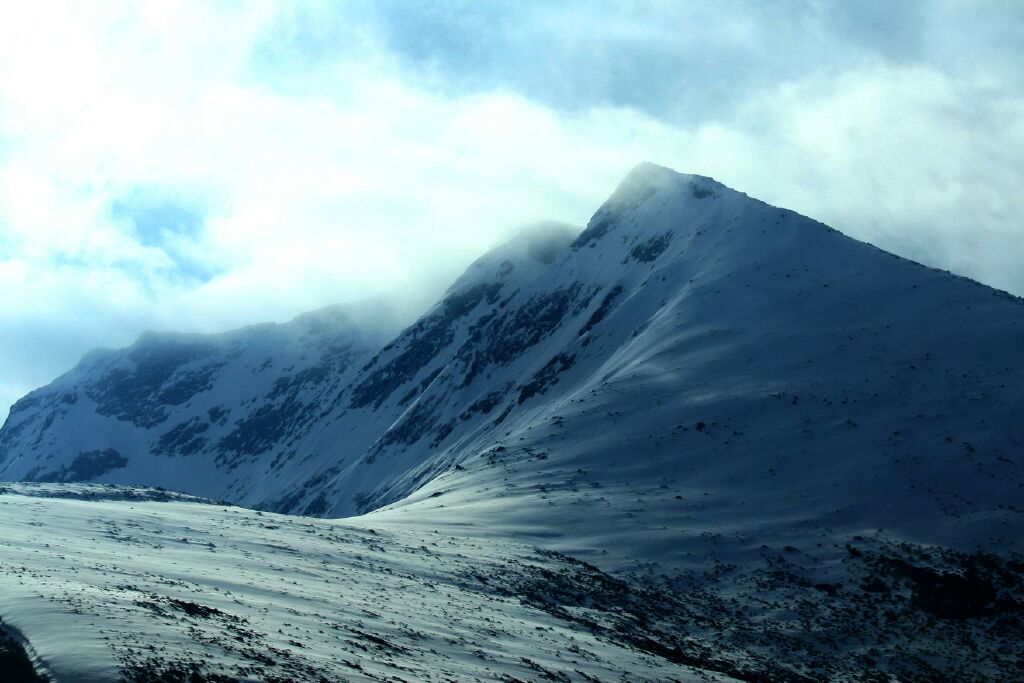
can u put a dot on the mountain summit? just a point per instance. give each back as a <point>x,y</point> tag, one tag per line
<point>699,390</point>
<point>818,366</point>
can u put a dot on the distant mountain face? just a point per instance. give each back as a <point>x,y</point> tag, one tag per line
<point>694,358</point>
<point>184,411</point>
<point>226,414</point>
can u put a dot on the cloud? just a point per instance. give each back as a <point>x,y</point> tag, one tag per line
<point>172,228</point>
<point>902,156</point>
<point>199,166</point>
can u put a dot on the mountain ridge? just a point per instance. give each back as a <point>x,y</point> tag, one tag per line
<point>704,439</point>
<point>670,264</point>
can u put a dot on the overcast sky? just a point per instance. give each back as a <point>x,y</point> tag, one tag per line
<point>200,166</point>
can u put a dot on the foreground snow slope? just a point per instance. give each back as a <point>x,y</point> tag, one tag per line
<point>135,589</point>
<point>105,584</point>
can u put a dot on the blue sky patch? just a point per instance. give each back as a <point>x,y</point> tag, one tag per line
<point>158,220</point>
<point>171,224</point>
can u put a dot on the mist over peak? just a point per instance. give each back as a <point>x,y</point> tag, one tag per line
<point>405,367</point>
<point>543,240</point>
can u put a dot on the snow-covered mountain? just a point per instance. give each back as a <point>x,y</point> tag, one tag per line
<point>729,403</point>
<point>690,337</point>
<point>185,410</point>
<point>686,326</point>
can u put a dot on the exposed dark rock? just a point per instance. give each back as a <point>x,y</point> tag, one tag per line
<point>318,506</point>
<point>700,192</point>
<point>602,310</point>
<point>218,414</point>
<point>29,402</point>
<point>156,670</point>
<point>291,405</point>
<point>137,395</point>
<point>983,586</point>
<point>506,338</point>
<point>414,424</point>
<point>188,384</point>
<point>546,376</point>
<point>259,431</point>
<point>598,227</point>
<point>87,465</point>
<point>485,404</point>
<point>183,439</point>
<point>421,387</point>
<point>651,249</point>
<point>422,343</point>
<point>15,665</point>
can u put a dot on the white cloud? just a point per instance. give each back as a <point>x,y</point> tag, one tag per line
<point>330,166</point>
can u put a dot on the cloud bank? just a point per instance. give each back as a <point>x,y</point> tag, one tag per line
<point>199,166</point>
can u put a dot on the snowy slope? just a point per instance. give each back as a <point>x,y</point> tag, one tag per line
<point>691,341</point>
<point>694,342</point>
<point>103,585</point>
<point>810,448</point>
<point>743,374</point>
<point>690,338</point>
<point>185,411</point>
<point>118,592</point>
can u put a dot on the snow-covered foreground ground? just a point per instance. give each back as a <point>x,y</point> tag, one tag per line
<point>107,589</point>
<point>171,589</point>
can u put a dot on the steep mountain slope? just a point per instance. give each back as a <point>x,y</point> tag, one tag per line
<point>810,449</point>
<point>726,373</point>
<point>225,415</point>
<point>185,411</point>
<point>694,342</point>
<point>690,338</point>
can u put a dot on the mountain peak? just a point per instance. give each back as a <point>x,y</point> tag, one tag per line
<point>646,178</point>
<point>543,240</point>
<point>653,202</point>
<point>530,250</point>
<point>651,170</point>
<point>699,378</point>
